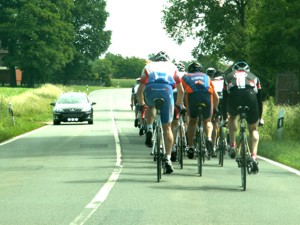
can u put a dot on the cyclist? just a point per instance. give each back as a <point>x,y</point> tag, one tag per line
<point>199,89</point>
<point>218,80</point>
<point>181,68</point>
<point>242,88</point>
<point>158,79</point>
<point>134,101</point>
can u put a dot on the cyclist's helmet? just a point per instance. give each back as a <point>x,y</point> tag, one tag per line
<point>241,66</point>
<point>161,56</point>
<point>211,72</point>
<point>180,66</point>
<point>194,67</point>
<point>219,73</point>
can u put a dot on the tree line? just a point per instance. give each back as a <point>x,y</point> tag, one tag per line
<point>62,40</point>
<point>264,33</point>
<point>52,40</point>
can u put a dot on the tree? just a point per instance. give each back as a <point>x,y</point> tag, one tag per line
<point>91,40</point>
<point>274,45</point>
<point>276,38</point>
<point>103,69</point>
<point>128,67</point>
<point>219,27</point>
<point>38,35</point>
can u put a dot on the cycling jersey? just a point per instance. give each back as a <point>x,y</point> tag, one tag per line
<point>218,85</point>
<point>240,79</point>
<point>160,72</point>
<point>194,82</point>
<point>242,88</point>
<point>160,78</point>
<point>199,89</point>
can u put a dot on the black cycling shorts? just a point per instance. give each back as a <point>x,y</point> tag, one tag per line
<point>243,97</point>
<point>194,98</point>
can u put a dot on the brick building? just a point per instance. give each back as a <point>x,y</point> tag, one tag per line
<point>5,72</point>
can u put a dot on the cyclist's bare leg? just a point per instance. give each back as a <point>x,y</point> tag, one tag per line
<point>208,128</point>
<point>253,138</point>
<point>174,126</point>
<point>233,127</point>
<point>215,131</point>
<point>191,130</point>
<point>150,116</point>
<point>168,137</point>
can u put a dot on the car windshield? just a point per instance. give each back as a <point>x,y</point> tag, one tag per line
<point>72,99</point>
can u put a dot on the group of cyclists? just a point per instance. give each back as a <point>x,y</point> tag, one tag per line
<point>183,89</point>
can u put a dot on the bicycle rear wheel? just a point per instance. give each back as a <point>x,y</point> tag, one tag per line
<point>180,148</point>
<point>200,155</point>
<point>158,154</point>
<point>221,143</point>
<point>244,162</point>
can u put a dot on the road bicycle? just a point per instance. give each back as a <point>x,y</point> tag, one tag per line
<point>200,140</point>
<point>222,142</point>
<point>180,139</point>
<point>158,140</point>
<point>243,151</point>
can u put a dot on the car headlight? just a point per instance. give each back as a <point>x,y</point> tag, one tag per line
<point>86,109</point>
<point>58,110</point>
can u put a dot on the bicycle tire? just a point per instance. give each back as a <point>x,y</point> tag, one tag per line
<point>158,154</point>
<point>199,152</point>
<point>181,149</point>
<point>244,161</point>
<point>221,145</point>
<point>203,146</point>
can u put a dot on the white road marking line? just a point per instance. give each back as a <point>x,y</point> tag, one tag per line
<point>292,170</point>
<point>100,197</point>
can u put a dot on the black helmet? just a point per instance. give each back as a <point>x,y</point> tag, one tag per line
<point>211,71</point>
<point>219,73</point>
<point>180,66</point>
<point>194,67</point>
<point>161,56</point>
<point>241,66</point>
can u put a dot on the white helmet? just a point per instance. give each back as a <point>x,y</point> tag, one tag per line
<point>241,66</point>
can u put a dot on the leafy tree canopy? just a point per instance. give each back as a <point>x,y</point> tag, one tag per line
<point>219,27</point>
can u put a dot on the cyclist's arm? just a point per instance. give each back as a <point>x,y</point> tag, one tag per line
<point>140,94</point>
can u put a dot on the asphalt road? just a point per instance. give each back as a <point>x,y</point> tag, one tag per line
<point>103,174</point>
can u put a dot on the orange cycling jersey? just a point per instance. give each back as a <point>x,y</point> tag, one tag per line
<point>195,82</point>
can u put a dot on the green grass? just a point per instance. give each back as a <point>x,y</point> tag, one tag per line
<point>285,152</point>
<point>32,106</point>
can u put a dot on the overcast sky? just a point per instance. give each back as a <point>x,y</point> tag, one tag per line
<point>137,30</point>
